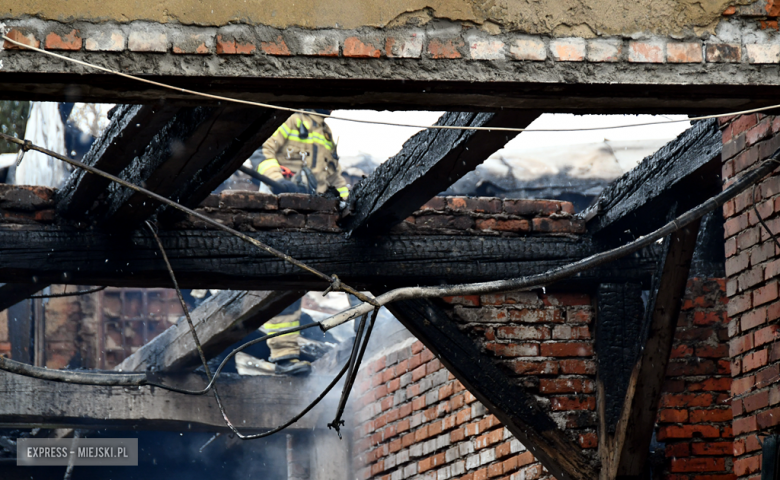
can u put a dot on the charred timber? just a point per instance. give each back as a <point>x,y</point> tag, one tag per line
<point>185,159</point>
<point>214,259</point>
<point>131,129</point>
<point>428,164</point>
<point>685,172</point>
<point>254,403</point>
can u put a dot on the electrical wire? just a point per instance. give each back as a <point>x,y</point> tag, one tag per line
<point>373,122</point>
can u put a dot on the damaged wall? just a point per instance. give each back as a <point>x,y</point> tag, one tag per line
<point>592,16</point>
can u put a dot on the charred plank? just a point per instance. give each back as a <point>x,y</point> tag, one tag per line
<point>624,455</point>
<point>214,259</point>
<point>127,135</point>
<point>220,321</point>
<point>429,162</point>
<point>516,408</point>
<point>686,171</point>
<point>254,403</point>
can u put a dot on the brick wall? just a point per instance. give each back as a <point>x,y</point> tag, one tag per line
<point>694,418</point>
<point>415,420</point>
<point>752,264</point>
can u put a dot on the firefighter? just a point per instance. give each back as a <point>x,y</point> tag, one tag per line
<point>300,157</point>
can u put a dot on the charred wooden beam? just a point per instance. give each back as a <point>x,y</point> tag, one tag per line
<point>13,293</point>
<point>220,321</point>
<point>214,259</point>
<point>429,162</point>
<point>131,129</point>
<point>184,155</point>
<point>195,152</point>
<point>516,408</point>
<point>624,455</point>
<point>685,172</point>
<point>253,403</point>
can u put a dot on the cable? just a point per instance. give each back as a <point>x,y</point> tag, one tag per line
<point>374,122</point>
<point>355,361</point>
<point>69,294</point>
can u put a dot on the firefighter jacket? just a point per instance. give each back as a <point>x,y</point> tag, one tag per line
<point>304,138</point>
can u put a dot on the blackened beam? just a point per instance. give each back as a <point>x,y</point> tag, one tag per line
<point>253,403</point>
<point>428,164</point>
<point>220,321</point>
<point>131,129</point>
<point>685,172</point>
<point>185,159</point>
<point>13,293</point>
<point>214,259</point>
<point>625,454</point>
<point>516,408</point>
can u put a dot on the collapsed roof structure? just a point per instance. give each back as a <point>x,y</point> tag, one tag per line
<point>575,371</point>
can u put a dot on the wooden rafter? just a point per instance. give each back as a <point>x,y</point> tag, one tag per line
<point>220,321</point>
<point>625,453</point>
<point>429,162</point>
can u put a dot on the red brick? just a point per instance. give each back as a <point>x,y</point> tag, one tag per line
<point>457,435</point>
<point>277,48</point>
<point>746,466</point>
<point>523,333</point>
<point>69,41</point>
<point>433,366</point>
<point>765,294</point>
<point>467,300</point>
<point>708,318</point>
<point>711,416</point>
<point>678,450</point>
<point>523,367</point>
<point>745,425</point>
<point>681,351</point>
<point>495,224</point>
<point>687,400</point>
<point>740,345</point>
<point>768,418</point>
<point>568,332</point>
<point>565,385</point>
<point>687,431</point>
<point>753,318</point>
<point>756,401</point>
<point>743,123</point>
<point>430,462</point>
<point>356,48</point>
<point>573,403</point>
<point>17,36</point>
<point>440,48</point>
<point>513,349</point>
<point>572,349</point>
<point>698,464</point>
<point>755,360</point>
<point>577,367</point>
<point>711,384</point>
<point>742,385</point>
<point>560,225</point>
<point>588,440</point>
<point>668,415</point>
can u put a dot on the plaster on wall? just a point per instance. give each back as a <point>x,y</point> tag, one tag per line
<point>586,18</point>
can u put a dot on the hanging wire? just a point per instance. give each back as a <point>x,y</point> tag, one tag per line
<point>374,122</point>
